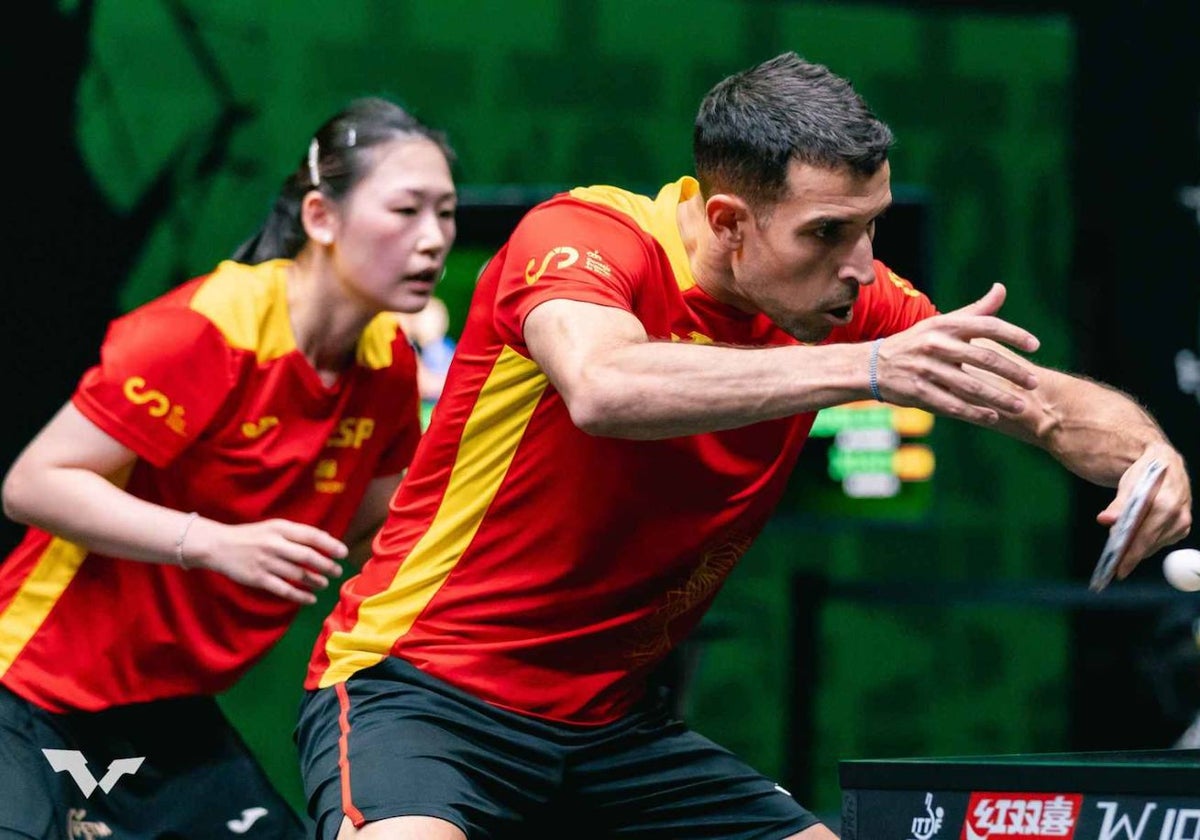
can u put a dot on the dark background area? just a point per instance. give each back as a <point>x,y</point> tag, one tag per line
<point>1137,280</point>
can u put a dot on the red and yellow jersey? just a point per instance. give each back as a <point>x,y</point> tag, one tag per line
<point>547,570</point>
<point>227,418</point>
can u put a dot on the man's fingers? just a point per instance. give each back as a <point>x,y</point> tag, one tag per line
<point>945,389</point>
<point>978,393</point>
<point>978,320</point>
<point>1165,521</point>
<point>996,367</point>
<point>989,304</point>
<point>1003,332</point>
<point>968,329</point>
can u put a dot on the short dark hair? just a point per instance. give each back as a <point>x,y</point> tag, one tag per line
<point>339,155</point>
<point>752,124</point>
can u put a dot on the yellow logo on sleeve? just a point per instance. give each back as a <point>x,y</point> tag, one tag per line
<point>567,257</point>
<point>694,337</point>
<point>136,392</point>
<point>902,284</point>
<point>257,429</point>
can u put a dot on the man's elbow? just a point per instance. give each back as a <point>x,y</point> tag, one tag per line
<point>16,496</point>
<point>592,413</point>
<point>601,410</point>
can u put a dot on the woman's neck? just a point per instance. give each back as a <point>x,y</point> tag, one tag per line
<point>325,325</point>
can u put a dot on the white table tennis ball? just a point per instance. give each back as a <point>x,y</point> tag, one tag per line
<point>1181,568</point>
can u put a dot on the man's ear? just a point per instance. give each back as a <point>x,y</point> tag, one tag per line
<point>318,218</point>
<point>728,217</point>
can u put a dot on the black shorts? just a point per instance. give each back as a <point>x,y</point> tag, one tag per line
<point>196,778</point>
<point>392,741</point>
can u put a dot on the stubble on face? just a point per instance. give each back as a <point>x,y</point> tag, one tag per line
<point>809,254</point>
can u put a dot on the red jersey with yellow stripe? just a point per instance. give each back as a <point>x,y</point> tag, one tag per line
<point>543,569</point>
<point>228,418</point>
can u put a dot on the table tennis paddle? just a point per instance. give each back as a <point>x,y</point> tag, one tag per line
<point>1122,529</point>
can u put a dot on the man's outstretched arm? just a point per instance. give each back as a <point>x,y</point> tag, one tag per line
<point>1104,436</point>
<point>616,382</point>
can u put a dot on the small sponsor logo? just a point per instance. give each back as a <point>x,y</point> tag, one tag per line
<point>1148,822</point>
<point>929,824</point>
<point>564,254</point>
<point>73,762</point>
<point>242,824</point>
<point>352,433</point>
<point>79,826</point>
<point>1040,815</point>
<point>325,478</point>
<point>595,263</point>
<point>256,429</point>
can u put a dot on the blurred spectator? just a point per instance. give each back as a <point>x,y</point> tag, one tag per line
<point>426,330</point>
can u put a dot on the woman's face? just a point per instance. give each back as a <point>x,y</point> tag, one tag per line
<point>396,226</point>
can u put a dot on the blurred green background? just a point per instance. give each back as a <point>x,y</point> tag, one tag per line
<point>198,110</point>
<point>604,91</point>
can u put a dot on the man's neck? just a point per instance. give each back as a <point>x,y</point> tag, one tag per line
<point>708,260</point>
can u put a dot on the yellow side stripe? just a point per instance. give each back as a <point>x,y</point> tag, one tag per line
<point>36,597</point>
<point>489,441</point>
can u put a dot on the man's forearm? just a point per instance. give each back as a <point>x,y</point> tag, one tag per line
<point>1093,429</point>
<point>660,389</point>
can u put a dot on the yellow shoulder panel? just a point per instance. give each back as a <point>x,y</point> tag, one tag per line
<point>248,304</point>
<point>657,217</point>
<point>375,344</point>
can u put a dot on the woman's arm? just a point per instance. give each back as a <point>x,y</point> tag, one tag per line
<point>66,482</point>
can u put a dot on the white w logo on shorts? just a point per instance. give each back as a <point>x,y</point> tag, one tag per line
<point>74,763</point>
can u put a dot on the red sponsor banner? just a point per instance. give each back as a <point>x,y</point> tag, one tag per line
<point>1006,814</point>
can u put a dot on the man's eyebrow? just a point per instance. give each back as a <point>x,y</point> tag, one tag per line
<point>828,219</point>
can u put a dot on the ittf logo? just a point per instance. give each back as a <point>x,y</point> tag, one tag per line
<point>73,762</point>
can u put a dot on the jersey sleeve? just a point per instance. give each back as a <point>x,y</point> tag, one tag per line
<point>163,374</point>
<point>889,305</point>
<point>567,250</point>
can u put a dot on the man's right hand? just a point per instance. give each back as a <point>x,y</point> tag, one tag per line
<point>923,365</point>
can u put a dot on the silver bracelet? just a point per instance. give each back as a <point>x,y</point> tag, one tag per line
<point>183,536</point>
<point>873,370</point>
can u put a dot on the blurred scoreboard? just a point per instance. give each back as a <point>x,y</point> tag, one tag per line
<point>875,448</point>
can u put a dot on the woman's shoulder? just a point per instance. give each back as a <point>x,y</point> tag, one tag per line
<point>247,304</point>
